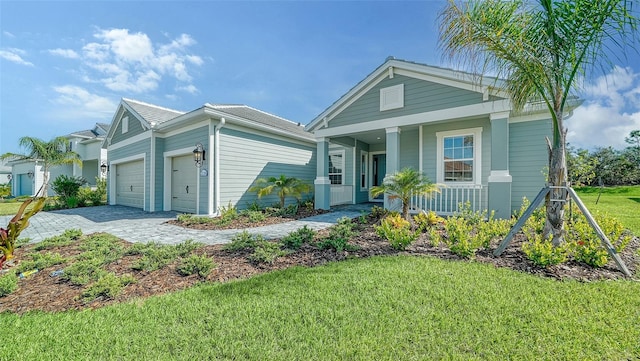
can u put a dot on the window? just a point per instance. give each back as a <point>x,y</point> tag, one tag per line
<point>364,165</point>
<point>336,167</point>
<point>459,156</point>
<point>125,124</point>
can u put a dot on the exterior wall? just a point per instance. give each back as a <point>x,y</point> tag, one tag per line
<point>90,170</point>
<point>55,172</point>
<point>528,161</point>
<point>135,128</point>
<point>132,150</point>
<point>419,96</point>
<point>246,156</point>
<point>409,152</point>
<point>362,194</point>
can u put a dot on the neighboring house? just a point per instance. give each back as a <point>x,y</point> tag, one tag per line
<point>151,156</point>
<point>461,135</point>
<point>27,176</point>
<point>5,172</point>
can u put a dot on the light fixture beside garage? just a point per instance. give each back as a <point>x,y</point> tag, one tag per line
<point>30,174</point>
<point>104,168</point>
<point>198,155</point>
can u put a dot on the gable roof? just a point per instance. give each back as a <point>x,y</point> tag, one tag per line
<point>150,113</point>
<point>392,66</point>
<point>262,118</point>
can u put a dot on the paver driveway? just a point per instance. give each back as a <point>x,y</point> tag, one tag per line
<point>135,225</point>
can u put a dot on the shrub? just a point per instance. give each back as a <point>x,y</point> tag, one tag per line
<point>101,247</point>
<point>267,252</point>
<point>469,215</point>
<point>378,212</point>
<point>66,238</point>
<point>82,272</point>
<point>227,214</point>
<point>154,257</point>
<point>108,285</point>
<point>202,265</point>
<point>185,248</point>
<point>339,235</point>
<point>542,252</point>
<point>40,261</point>
<point>488,230</point>
<point>242,241</point>
<point>295,239</point>
<point>8,283</point>
<point>67,189</point>
<point>460,239</point>
<point>397,231</point>
<point>424,220</point>
<point>254,216</point>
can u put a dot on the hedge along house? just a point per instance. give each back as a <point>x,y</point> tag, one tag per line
<point>151,156</point>
<point>461,135</point>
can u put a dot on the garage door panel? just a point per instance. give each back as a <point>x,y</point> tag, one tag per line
<point>130,184</point>
<point>183,184</point>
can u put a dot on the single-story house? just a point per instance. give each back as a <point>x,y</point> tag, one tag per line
<point>462,135</point>
<point>28,175</point>
<point>151,163</point>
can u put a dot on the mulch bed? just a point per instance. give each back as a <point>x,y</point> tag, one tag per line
<point>41,291</point>
<point>243,222</point>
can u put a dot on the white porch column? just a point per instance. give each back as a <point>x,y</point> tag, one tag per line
<point>322,182</point>
<point>500,179</point>
<point>393,161</point>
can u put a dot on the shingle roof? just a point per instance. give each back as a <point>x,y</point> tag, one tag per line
<point>152,113</point>
<point>263,118</point>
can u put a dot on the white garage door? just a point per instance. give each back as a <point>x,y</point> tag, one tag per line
<point>183,184</point>
<point>130,184</point>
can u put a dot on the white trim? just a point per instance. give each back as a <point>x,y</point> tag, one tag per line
<point>129,141</point>
<point>353,187</point>
<point>500,176</point>
<point>184,129</point>
<point>222,123</point>
<point>392,130</point>
<point>125,124</point>
<point>466,111</point>
<point>477,154</point>
<point>529,118</point>
<point>499,115</point>
<point>152,174</point>
<point>322,180</point>
<point>212,174</point>
<point>420,149</point>
<point>370,180</point>
<point>364,187</point>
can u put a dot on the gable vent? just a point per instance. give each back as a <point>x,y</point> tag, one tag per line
<point>392,97</point>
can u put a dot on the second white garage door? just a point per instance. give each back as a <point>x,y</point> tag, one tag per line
<point>130,184</point>
<point>183,184</point>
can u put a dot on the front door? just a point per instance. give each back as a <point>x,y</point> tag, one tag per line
<point>378,171</point>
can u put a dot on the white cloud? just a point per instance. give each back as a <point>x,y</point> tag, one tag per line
<point>15,56</point>
<point>130,62</point>
<point>78,103</point>
<point>191,89</point>
<point>65,53</point>
<point>611,110</point>
<point>8,34</point>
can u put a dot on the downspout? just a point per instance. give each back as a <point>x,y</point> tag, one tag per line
<point>217,163</point>
<point>152,171</point>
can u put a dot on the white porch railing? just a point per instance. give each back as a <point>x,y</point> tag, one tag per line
<point>341,194</point>
<point>448,200</point>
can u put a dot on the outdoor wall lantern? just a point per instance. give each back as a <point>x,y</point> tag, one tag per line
<point>30,174</point>
<point>104,168</point>
<point>9,177</point>
<point>198,155</point>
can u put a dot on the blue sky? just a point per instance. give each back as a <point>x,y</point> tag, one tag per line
<point>65,65</point>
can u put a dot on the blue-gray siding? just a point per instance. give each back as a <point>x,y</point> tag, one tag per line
<point>135,128</point>
<point>245,157</point>
<point>419,96</point>
<point>528,161</point>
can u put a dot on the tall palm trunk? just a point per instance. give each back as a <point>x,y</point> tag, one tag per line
<point>554,225</point>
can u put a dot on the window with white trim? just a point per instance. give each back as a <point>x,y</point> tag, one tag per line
<point>125,124</point>
<point>459,156</point>
<point>336,167</point>
<point>364,169</point>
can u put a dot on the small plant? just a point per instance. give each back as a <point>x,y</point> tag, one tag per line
<point>227,214</point>
<point>40,261</point>
<point>542,252</point>
<point>267,252</point>
<point>16,225</point>
<point>242,241</point>
<point>8,283</point>
<point>254,216</point>
<point>471,216</point>
<point>154,257</point>
<point>424,220</point>
<point>397,231</point>
<point>185,248</point>
<point>295,239</point>
<point>108,285</point>
<point>67,189</point>
<point>378,212</point>
<point>435,236</point>
<point>196,264</point>
<point>339,236</point>
<point>82,272</point>
<point>488,230</point>
<point>101,247</point>
<point>460,238</point>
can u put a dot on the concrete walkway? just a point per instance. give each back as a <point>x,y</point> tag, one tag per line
<point>135,225</point>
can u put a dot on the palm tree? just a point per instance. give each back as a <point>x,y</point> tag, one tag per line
<point>51,153</point>
<point>402,185</point>
<point>543,51</point>
<point>283,186</point>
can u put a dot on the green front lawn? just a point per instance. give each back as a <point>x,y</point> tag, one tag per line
<point>386,308</point>
<point>620,202</point>
<point>9,208</point>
